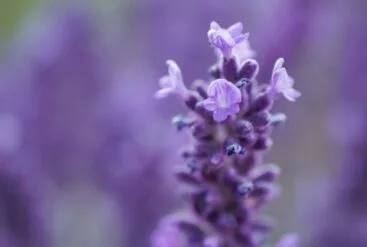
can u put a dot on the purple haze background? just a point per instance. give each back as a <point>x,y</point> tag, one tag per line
<point>87,152</point>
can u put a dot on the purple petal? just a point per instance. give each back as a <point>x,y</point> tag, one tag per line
<point>280,78</point>
<point>165,82</point>
<point>223,90</point>
<point>291,94</point>
<point>174,71</point>
<point>220,115</point>
<point>233,94</point>
<point>215,26</point>
<point>162,93</point>
<point>240,38</point>
<point>213,86</point>
<point>278,64</point>
<point>236,29</point>
<point>233,109</point>
<point>209,104</point>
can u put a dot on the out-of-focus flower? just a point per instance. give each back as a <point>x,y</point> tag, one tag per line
<point>282,83</point>
<point>22,214</point>
<point>223,99</point>
<point>172,83</point>
<point>226,39</point>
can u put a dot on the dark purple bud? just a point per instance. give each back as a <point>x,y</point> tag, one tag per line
<point>243,128</point>
<point>193,232</point>
<point>226,221</point>
<point>268,173</point>
<point>211,173</point>
<point>201,87</point>
<point>202,131</point>
<point>244,164</point>
<point>199,202</point>
<point>244,188</point>
<point>202,150</point>
<point>230,69</point>
<point>264,191</point>
<point>245,238</point>
<point>192,101</point>
<point>187,153</point>
<point>260,119</point>
<point>249,69</point>
<point>278,118</point>
<point>249,140</point>
<point>234,149</point>
<point>261,103</point>
<point>187,178</point>
<point>263,143</point>
<point>229,179</point>
<point>215,72</point>
<point>182,122</point>
<point>214,199</point>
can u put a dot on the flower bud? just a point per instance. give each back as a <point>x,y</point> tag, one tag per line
<point>249,69</point>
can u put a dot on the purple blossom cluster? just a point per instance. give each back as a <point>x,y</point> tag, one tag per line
<point>231,125</point>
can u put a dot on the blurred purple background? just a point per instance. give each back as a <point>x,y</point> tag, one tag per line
<point>86,152</point>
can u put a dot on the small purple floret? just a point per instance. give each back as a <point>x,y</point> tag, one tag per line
<point>223,99</point>
<point>226,39</point>
<point>282,83</point>
<point>172,83</point>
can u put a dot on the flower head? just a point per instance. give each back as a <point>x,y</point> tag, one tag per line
<point>223,99</point>
<point>282,83</point>
<point>172,83</point>
<point>226,39</point>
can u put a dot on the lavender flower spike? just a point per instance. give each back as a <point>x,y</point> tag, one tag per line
<point>223,99</point>
<point>226,39</point>
<point>282,83</point>
<point>223,166</point>
<point>172,83</point>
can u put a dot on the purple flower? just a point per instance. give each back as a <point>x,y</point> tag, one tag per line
<point>223,99</point>
<point>282,83</point>
<point>226,39</point>
<point>172,83</point>
<point>224,161</point>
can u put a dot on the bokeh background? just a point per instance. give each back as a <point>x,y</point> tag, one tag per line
<point>86,152</point>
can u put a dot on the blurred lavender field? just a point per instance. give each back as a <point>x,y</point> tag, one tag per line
<point>87,153</point>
